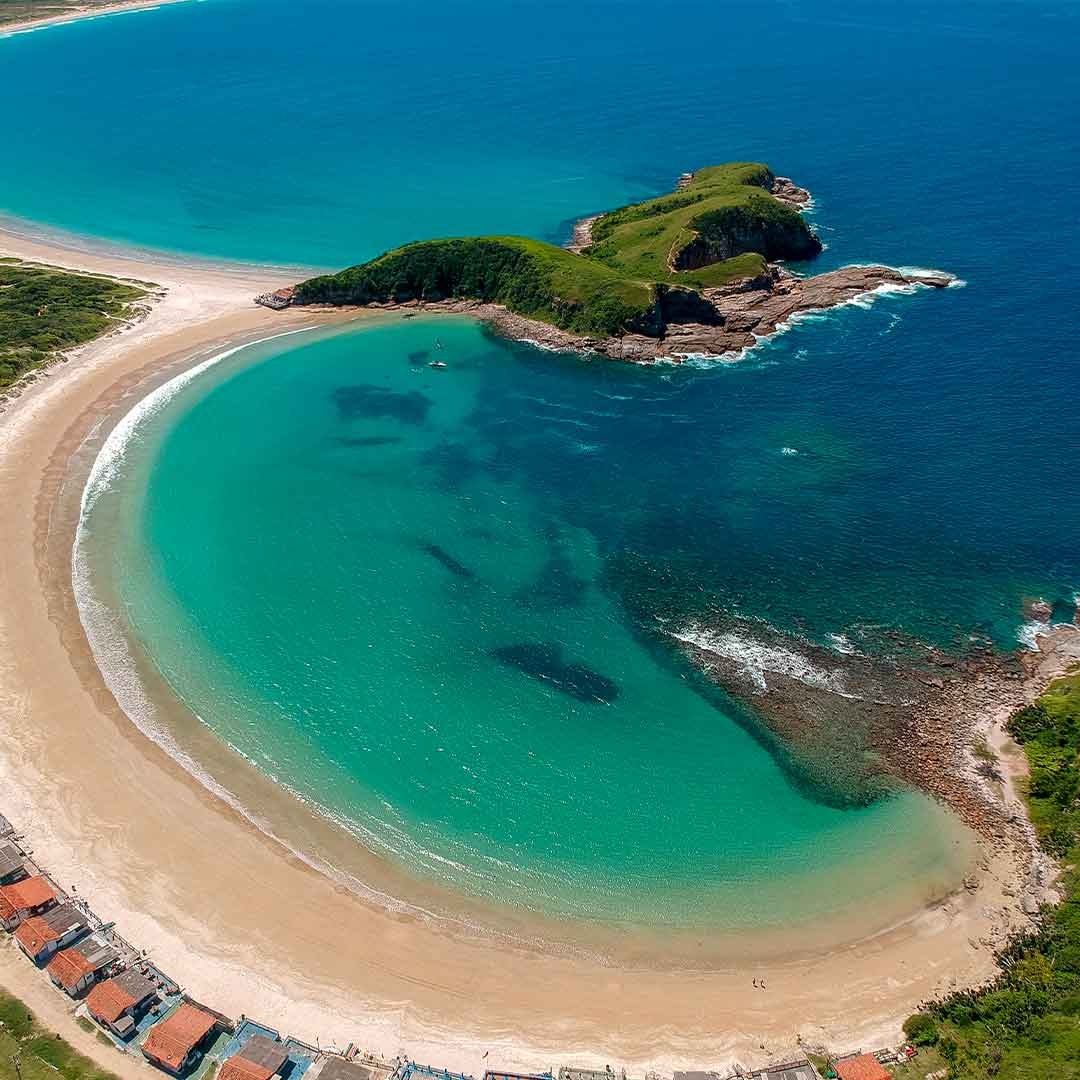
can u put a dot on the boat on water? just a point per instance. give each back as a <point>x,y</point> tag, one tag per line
<point>437,364</point>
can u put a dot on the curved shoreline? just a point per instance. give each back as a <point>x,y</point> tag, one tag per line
<point>122,7</point>
<point>391,979</point>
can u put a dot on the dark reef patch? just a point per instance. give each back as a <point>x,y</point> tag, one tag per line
<point>441,555</point>
<point>370,402</point>
<point>418,358</point>
<point>544,661</point>
<point>371,440</point>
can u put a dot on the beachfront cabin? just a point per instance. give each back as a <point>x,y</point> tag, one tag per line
<point>791,1070</point>
<point>335,1068</point>
<point>24,899</point>
<point>41,936</point>
<point>118,1003</point>
<point>861,1067</point>
<point>12,864</point>
<point>79,967</point>
<point>277,300</point>
<point>176,1043</point>
<point>260,1058</point>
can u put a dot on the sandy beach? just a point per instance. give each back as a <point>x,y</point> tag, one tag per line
<point>247,927</point>
<point>82,11</point>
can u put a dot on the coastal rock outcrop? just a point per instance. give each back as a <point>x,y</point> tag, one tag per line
<point>692,273</point>
<point>737,316</point>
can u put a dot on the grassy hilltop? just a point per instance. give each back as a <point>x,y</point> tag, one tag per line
<point>645,261</point>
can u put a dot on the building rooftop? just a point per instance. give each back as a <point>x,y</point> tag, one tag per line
<point>171,1040</point>
<point>792,1070</point>
<point>108,1001</point>
<point>30,893</point>
<point>863,1067</point>
<point>68,966</point>
<point>89,956</point>
<point>11,860</point>
<point>491,1075</point>
<point>335,1068</point>
<point>36,933</point>
<point>6,828</point>
<point>258,1059</point>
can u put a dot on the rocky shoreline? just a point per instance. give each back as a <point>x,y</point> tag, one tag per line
<point>918,716</point>
<point>747,312</point>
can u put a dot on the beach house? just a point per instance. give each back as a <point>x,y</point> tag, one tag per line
<point>861,1067</point>
<point>791,1070</point>
<point>12,864</point>
<point>176,1043</point>
<point>259,1058</point>
<point>119,1002</point>
<point>335,1068</point>
<point>78,967</point>
<point>22,899</point>
<point>39,937</point>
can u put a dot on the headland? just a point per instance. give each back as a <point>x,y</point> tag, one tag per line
<point>697,273</point>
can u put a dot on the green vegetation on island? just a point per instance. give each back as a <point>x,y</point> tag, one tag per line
<point>645,261</point>
<point>1026,1025</point>
<point>44,311</point>
<point>29,1052</point>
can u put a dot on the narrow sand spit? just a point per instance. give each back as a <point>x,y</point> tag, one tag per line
<point>250,929</point>
<point>82,11</point>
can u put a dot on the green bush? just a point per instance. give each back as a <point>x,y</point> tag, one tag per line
<point>921,1030</point>
<point>1024,1026</point>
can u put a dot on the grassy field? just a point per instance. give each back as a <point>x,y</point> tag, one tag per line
<point>728,202</point>
<point>1026,1026</point>
<point>44,311</point>
<point>40,1054</point>
<point>722,227</point>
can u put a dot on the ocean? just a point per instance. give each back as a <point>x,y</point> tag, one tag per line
<point>428,601</point>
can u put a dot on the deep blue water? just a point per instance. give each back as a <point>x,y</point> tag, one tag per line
<point>935,484</point>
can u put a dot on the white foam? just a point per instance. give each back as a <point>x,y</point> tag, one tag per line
<point>788,451</point>
<point>1028,633</point>
<point>758,659</point>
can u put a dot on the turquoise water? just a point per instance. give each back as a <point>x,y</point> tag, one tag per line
<point>395,588</point>
<point>377,598</point>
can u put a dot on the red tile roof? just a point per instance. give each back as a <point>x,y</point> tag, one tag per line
<point>237,1068</point>
<point>29,893</point>
<point>863,1067</point>
<point>7,910</point>
<point>69,966</point>
<point>108,1001</point>
<point>171,1040</point>
<point>34,934</point>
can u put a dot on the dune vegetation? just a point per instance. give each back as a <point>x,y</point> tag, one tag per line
<point>44,311</point>
<point>722,226</point>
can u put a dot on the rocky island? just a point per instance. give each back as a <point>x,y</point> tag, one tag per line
<point>695,272</point>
